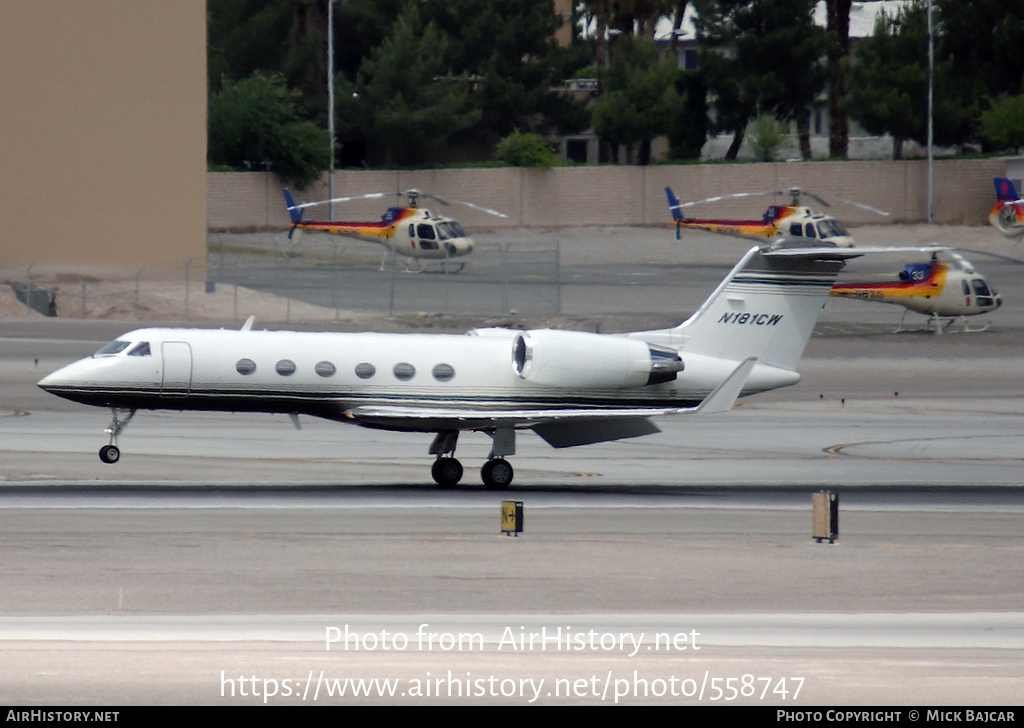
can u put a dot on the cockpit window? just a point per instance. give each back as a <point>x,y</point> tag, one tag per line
<point>450,230</point>
<point>831,229</point>
<point>114,347</point>
<point>980,289</point>
<point>140,349</point>
<point>425,231</point>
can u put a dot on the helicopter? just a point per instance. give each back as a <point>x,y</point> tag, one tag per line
<point>410,231</point>
<point>794,220</point>
<point>1008,214</point>
<point>943,290</point>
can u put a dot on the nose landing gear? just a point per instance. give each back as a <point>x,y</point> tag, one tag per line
<point>111,453</point>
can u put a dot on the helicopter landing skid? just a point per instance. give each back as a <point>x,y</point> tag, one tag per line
<point>943,325</point>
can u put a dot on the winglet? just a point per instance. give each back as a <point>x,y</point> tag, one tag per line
<point>724,395</point>
<point>1005,190</point>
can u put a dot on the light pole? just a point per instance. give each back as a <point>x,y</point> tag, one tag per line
<point>330,102</point>
<point>931,114</point>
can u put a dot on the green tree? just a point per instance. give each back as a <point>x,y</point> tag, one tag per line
<point>888,77</point>
<point>838,32</point>
<point>526,150</point>
<point>256,123</point>
<point>508,49</point>
<point>403,98</point>
<point>1002,125</point>
<point>761,56</point>
<point>641,100</point>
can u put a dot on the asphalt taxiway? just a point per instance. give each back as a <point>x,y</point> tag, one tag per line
<point>232,559</point>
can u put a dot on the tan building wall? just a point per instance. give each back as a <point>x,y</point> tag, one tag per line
<point>103,131</point>
<point>574,196</point>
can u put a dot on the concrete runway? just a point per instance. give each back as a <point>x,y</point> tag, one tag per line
<point>235,560</point>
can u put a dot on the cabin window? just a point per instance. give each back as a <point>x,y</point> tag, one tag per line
<point>324,369</point>
<point>245,366</point>
<point>114,347</point>
<point>810,231</point>
<point>404,371</point>
<point>365,370</point>
<point>796,230</point>
<point>285,367</point>
<point>443,372</point>
<point>425,231</point>
<point>141,349</point>
<point>412,230</point>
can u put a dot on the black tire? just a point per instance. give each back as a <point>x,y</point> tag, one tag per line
<point>110,454</point>
<point>446,472</point>
<point>497,474</point>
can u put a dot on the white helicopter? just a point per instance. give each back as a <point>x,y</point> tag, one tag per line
<point>944,290</point>
<point>410,231</point>
<point>793,220</point>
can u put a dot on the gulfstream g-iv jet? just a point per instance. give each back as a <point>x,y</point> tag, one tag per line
<point>569,387</point>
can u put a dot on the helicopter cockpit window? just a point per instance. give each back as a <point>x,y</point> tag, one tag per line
<point>810,230</point>
<point>140,349</point>
<point>980,287</point>
<point>831,229</point>
<point>451,229</point>
<point>426,232</point>
<point>114,347</point>
<point>966,288</point>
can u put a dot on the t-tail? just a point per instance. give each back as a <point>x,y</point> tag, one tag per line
<point>766,308</point>
<point>1005,190</point>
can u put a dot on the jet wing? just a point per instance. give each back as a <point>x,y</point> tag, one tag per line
<point>561,427</point>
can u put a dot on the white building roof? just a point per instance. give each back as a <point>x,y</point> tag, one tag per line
<point>862,19</point>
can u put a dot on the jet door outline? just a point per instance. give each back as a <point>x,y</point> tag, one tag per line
<point>176,378</point>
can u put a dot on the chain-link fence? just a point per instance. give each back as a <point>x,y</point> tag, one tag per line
<point>286,285</point>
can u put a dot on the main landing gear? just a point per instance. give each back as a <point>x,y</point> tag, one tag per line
<point>112,453</point>
<point>496,473</point>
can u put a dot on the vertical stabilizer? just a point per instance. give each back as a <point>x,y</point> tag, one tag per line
<point>1005,190</point>
<point>293,211</point>
<point>766,308</point>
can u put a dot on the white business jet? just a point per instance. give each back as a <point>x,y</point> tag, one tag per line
<point>569,387</point>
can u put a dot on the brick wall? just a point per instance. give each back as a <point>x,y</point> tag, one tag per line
<point>624,195</point>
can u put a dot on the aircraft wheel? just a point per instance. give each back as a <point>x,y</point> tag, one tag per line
<point>446,472</point>
<point>110,454</point>
<point>496,473</point>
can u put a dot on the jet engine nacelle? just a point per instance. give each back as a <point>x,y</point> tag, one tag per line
<point>578,360</point>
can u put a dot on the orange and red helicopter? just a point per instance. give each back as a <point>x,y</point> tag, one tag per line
<point>411,231</point>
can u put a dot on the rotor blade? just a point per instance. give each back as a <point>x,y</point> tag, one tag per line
<point>481,208</point>
<point>717,198</point>
<point>815,198</point>
<point>369,196</point>
<point>796,193</point>
<point>864,206</point>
